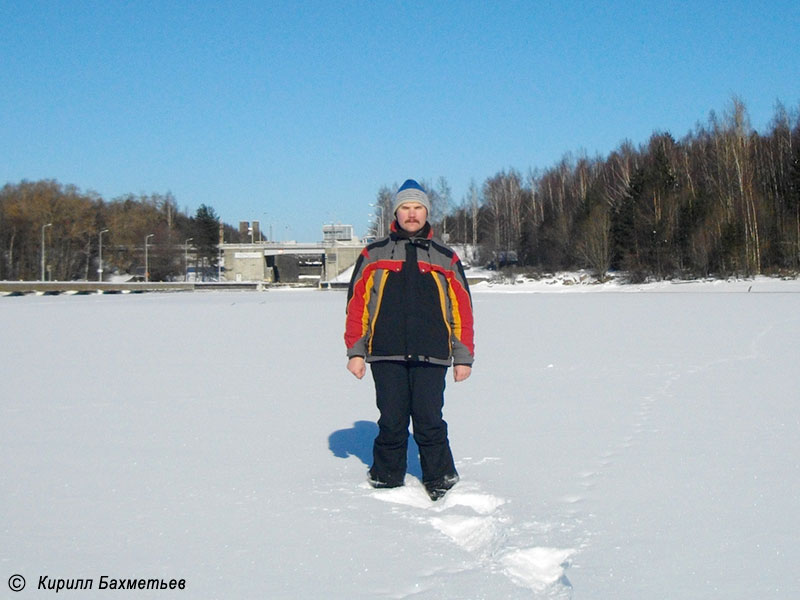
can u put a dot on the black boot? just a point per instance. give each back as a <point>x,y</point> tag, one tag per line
<point>383,483</point>
<point>439,487</point>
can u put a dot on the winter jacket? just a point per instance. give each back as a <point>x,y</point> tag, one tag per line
<point>409,300</point>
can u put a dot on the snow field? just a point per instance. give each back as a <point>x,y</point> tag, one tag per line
<point>611,446</point>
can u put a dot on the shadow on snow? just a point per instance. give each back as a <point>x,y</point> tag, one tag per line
<point>357,441</point>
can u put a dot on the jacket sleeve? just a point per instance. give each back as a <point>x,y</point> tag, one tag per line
<point>461,319</point>
<point>357,312</point>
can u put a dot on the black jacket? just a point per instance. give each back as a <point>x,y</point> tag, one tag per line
<point>409,300</point>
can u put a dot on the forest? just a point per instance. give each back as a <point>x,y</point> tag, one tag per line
<point>71,226</point>
<point>722,201</point>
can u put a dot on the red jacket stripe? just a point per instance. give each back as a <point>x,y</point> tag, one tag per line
<point>358,309</point>
<point>461,304</point>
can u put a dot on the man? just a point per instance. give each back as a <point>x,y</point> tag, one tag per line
<point>409,314</point>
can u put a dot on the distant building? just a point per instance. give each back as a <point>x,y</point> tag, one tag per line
<point>253,231</point>
<point>319,263</point>
<point>337,233</point>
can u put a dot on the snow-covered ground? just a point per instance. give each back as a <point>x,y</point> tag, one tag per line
<point>611,446</point>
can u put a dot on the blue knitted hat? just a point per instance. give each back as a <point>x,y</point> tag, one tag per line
<point>411,191</point>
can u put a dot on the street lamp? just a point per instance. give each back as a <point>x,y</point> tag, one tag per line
<point>186,259</point>
<point>43,228</point>
<point>146,259</point>
<point>100,255</point>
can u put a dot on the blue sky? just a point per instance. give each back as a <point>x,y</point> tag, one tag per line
<point>296,113</point>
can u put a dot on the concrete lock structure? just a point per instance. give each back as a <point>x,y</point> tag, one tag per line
<point>322,264</point>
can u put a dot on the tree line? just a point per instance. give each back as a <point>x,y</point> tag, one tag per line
<point>722,201</point>
<point>53,231</point>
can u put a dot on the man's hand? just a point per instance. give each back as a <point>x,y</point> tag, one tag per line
<point>357,366</point>
<point>461,372</point>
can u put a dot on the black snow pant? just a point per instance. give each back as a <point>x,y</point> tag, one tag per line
<point>410,391</point>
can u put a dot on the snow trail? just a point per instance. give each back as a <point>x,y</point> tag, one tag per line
<point>474,521</point>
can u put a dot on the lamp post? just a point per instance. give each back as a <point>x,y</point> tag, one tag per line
<point>100,255</point>
<point>186,259</point>
<point>146,258</point>
<point>43,252</point>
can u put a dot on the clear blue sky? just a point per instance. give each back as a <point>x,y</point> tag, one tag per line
<point>296,113</point>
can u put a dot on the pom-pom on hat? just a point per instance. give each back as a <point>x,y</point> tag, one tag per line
<point>411,191</point>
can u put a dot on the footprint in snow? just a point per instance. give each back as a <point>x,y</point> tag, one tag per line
<point>482,532</point>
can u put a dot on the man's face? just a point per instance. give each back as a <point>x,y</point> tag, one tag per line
<point>411,216</point>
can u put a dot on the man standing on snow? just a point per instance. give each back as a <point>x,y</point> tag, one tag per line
<point>409,314</point>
